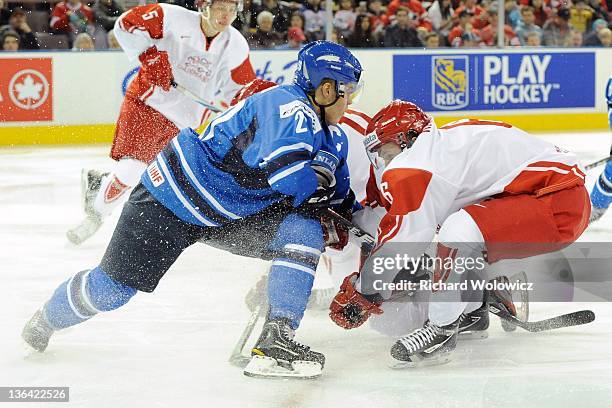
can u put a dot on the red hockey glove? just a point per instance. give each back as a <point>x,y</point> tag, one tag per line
<point>351,309</point>
<point>156,67</point>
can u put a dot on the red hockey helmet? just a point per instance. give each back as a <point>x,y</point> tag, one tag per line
<point>399,122</point>
<point>255,86</point>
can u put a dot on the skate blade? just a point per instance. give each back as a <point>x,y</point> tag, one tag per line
<point>474,335</point>
<point>419,362</point>
<point>267,367</point>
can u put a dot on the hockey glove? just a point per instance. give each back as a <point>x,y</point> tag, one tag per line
<point>351,309</point>
<point>156,68</point>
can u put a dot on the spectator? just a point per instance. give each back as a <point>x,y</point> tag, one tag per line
<point>580,16</point>
<point>83,42</point>
<point>556,31</point>
<point>470,40</point>
<point>265,36</point>
<point>401,34</point>
<point>243,21</point>
<point>464,25</point>
<point>378,17</point>
<point>344,19</point>
<point>527,25</point>
<point>10,40</point>
<point>575,39</point>
<point>441,14</point>
<point>362,36</point>
<point>533,39</point>
<point>297,20</point>
<point>113,44</point>
<point>432,40</point>
<point>470,7</point>
<point>280,13</point>
<point>295,39</point>
<point>541,12</point>
<point>600,8</point>
<point>315,20</point>
<point>4,13</point>
<point>416,12</point>
<point>72,18</point>
<point>512,13</point>
<point>605,37</point>
<point>106,13</point>
<point>488,34</point>
<point>18,24</point>
<point>592,39</point>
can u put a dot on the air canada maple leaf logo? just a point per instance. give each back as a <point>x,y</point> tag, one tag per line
<point>28,89</point>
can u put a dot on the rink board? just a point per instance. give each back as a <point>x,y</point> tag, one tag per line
<point>74,98</point>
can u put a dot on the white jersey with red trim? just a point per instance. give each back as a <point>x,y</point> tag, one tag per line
<point>461,164</point>
<point>214,70</point>
<point>355,123</point>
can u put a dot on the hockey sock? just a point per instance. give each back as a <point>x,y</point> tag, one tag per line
<point>115,187</point>
<point>601,196</point>
<point>300,241</point>
<point>83,296</point>
<point>460,239</point>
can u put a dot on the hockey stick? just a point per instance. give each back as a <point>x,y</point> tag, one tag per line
<point>362,236</point>
<point>557,322</point>
<point>195,97</point>
<point>598,163</point>
<point>566,320</point>
<point>237,358</point>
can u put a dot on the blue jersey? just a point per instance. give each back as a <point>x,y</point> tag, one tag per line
<point>255,154</point>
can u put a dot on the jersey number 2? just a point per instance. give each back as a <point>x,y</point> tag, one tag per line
<point>300,118</point>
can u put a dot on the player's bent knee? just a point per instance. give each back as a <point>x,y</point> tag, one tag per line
<point>104,293</point>
<point>460,227</point>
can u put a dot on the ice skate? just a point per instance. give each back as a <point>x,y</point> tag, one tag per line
<point>37,332</point>
<point>277,355</point>
<point>90,185</point>
<point>429,345</point>
<point>475,324</point>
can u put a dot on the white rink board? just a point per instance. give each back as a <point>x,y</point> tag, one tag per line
<point>87,86</point>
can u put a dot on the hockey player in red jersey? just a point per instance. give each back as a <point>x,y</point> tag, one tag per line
<point>496,193</point>
<point>199,51</point>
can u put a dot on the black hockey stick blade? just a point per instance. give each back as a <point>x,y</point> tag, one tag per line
<point>363,236</point>
<point>567,320</point>
<point>598,163</point>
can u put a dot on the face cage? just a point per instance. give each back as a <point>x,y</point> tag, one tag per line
<point>352,90</point>
<point>204,7</point>
<point>372,148</point>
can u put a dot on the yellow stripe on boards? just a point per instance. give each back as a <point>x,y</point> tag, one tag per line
<point>103,133</point>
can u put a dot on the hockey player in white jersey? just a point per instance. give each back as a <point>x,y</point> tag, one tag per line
<point>487,184</point>
<point>601,195</point>
<point>199,51</point>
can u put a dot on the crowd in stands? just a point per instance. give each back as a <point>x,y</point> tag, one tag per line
<point>278,24</point>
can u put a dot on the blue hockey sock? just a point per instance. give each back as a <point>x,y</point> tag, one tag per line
<point>601,196</point>
<point>84,295</point>
<point>300,241</point>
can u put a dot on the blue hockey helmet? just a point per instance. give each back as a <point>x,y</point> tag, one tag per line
<point>321,60</point>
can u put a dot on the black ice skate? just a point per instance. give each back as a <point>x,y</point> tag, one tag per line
<point>429,345</point>
<point>37,332</point>
<point>277,355</point>
<point>475,324</point>
<point>90,185</point>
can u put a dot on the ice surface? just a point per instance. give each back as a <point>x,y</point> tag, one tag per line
<point>170,348</point>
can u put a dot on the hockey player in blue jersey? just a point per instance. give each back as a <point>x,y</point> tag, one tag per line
<point>601,196</point>
<point>264,168</point>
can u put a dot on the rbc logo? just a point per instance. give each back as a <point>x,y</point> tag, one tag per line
<point>450,82</point>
